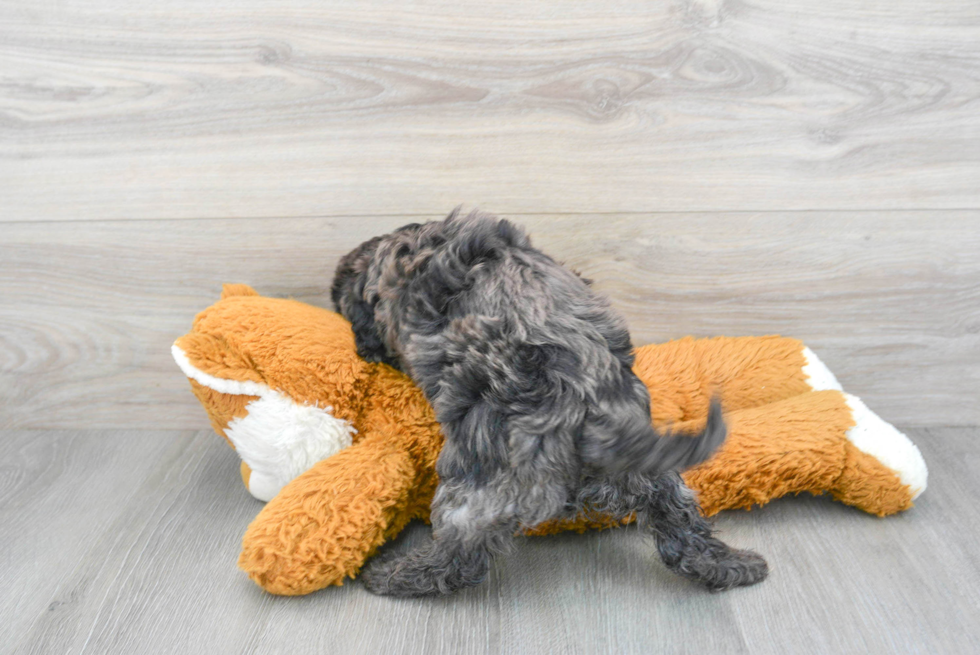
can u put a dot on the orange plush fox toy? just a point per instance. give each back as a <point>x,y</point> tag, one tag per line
<point>345,450</point>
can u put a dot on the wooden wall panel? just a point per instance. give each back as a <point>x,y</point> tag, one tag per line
<point>174,109</point>
<point>890,300</point>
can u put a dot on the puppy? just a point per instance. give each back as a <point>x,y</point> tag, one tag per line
<point>530,374</point>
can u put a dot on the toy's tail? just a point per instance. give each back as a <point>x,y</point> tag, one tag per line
<point>620,442</point>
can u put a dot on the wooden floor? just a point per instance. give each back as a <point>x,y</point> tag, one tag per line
<point>125,542</point>
<point>716,166</point>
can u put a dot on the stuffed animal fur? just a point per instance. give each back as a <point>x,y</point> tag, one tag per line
<point>344,450</point>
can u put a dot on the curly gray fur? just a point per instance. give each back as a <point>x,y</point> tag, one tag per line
<point>530,374</point>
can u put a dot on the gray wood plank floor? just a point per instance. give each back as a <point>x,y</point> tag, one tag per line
<point>126,542</point>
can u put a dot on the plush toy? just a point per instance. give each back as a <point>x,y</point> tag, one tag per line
<point>344,450</point>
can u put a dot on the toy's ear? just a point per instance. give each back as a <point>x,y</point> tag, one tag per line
<point>281,380</point>
<point>229,290</point>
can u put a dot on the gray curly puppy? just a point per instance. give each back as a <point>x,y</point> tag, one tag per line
<point>530,374</point>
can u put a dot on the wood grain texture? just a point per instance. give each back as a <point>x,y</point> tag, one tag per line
<point>822,165</point>
<point>891,301</point>
<point>126,542</point>
<point>175,109</point>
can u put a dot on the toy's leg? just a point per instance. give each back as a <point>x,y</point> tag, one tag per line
<point>668,510</point>
<point>324,524</point>
<point>468,529</point>
<point>871,444</point>
<point>818,376</point>
<point>876,453</point>
<point>817,442</point>
<point>744,371</point>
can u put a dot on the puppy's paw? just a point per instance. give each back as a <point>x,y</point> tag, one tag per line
<point>403,575</point>
<point>734,568</point>
<point>377,574</point>
<point>428,571</point>
<point>715,564</point>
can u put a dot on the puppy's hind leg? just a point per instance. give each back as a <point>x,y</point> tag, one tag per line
<point>666,508</point>
<point>465,537</point>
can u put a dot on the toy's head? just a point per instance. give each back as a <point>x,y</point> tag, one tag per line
<point>282,403</point>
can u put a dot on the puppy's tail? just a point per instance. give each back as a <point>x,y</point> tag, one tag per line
<point>620,444</point>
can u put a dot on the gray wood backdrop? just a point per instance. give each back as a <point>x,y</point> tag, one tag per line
<point>890,300</point>
<point>719,167</point>
<point>115,109</point>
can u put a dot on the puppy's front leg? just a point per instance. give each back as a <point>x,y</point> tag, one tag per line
<point>438,568</point>
<point>466,534</point>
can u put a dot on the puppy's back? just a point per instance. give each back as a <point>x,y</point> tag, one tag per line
<point>490,325</point>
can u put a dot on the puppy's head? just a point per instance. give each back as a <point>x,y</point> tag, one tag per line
<point>351,276</point>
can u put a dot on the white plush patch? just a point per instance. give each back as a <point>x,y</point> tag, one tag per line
<point>884,442</point>
<point>872,434</point>
<point>233,387</point>
<point>818,376</point>
<point>279,438</point>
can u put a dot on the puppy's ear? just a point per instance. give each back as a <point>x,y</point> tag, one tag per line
<point>349,298</point>
<point>369,344</point>
<point>351,274</point>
